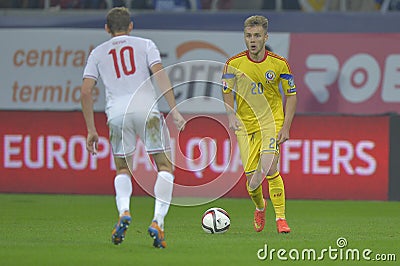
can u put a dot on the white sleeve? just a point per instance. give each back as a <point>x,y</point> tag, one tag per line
<point>153,54</point>
<point>91,70</point>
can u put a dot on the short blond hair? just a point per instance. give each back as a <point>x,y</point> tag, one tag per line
<point>257,21</point>
<point>118,19</point>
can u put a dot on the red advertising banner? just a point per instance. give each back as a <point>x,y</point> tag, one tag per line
<point>337,157</point>
<point>328,157</point>
<point>45,152</point>
<point>346,73</point>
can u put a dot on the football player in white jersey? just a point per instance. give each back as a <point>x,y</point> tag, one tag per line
<point>125,64</point>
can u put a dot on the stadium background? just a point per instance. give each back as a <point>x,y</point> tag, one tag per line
<point>347,130</point>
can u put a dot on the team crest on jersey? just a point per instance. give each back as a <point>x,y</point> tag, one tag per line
<point>291,82</point>
<point>224,85</point>
<point>270,76</point>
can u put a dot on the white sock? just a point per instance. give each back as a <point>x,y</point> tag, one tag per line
<point>163,194</point>
<point>123,192</point>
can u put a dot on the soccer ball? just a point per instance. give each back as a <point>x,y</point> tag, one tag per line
<point>215,221</point>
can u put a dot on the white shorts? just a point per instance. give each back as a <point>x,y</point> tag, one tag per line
<point>152,131</point>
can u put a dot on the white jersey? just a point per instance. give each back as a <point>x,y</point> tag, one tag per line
<point>123,63</point>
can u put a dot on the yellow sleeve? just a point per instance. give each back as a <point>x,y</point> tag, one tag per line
<point>287,80</point>
<point>228,79</point>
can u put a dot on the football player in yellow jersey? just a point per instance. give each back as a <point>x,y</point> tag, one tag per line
<point>252,78</point>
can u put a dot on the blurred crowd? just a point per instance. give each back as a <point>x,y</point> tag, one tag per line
<point>184,5</point>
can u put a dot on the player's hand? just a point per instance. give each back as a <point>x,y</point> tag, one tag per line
<point>283,135</point>
<point>91,142</point>
<point>178,119</point>
<point>234,122</point>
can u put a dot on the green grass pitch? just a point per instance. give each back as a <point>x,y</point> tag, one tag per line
<point>75,230</point>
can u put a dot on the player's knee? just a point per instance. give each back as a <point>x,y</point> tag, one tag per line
<point>252,185</point>
<point>271,170</point>
<point>163,162</point>
<point>165,169</point>
<point>164,166</point>
<point>124,171</point>
<point>264,171</point>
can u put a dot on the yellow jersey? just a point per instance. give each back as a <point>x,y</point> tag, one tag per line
<point>256,87</point>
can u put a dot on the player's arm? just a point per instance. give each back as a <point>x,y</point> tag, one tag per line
<point>88,114</point>
<point>230,111</point>
<point>290,110</point>
<point>165,86</point>
<point>229,101</point>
